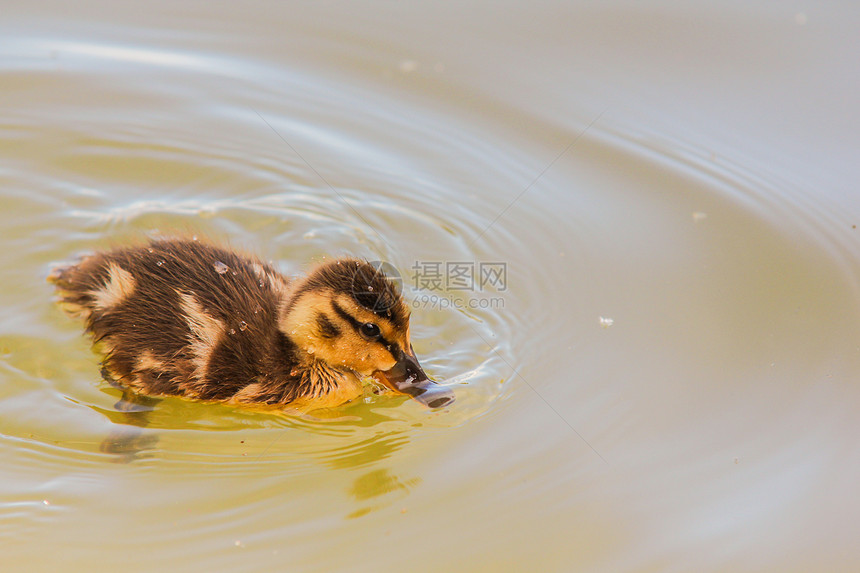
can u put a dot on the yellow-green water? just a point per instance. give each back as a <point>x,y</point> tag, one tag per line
<point>666,380</point>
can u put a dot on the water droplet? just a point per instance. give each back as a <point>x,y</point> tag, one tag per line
<point>232,331</point>
<point>243,325</point>
<point>159,263</point>
<point>294,372</point>
<point>310,350</point>
<point>369,288</point>
<point>606,322</point>
<point>220,268</point>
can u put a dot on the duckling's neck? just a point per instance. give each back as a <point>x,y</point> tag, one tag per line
<point>319,381</point>
<point>321,378</point>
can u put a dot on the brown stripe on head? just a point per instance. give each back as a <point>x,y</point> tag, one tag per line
<point>365,283</point>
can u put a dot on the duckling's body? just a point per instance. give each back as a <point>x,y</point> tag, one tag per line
<point>183,317</point>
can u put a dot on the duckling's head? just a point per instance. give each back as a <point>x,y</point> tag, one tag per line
<point>352,317</point>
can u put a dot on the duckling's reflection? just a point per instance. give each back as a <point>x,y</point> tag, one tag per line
<point>376,484</point>
<point>366,452</point>
<point>377,488</point>
<point>131,414</point>
<point>354,436</point>
<point>380,482</point>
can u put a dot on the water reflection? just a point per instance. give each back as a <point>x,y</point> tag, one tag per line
<point>366,452</point>
<point>127,438</point>
<point>733,328</point>
<point>379,483</point>
<point>352,436</point>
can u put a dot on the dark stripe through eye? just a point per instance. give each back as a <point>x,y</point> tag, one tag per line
<point>366,328</point>
<point>346,316</point>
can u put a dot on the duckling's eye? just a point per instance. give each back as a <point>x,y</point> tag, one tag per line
<point>370,331</point>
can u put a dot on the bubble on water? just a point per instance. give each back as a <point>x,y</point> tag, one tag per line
<point>220,268</point>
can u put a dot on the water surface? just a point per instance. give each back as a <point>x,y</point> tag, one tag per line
<point>665,380</point>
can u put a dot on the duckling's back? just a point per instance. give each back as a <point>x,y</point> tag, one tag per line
<point>187,318</point>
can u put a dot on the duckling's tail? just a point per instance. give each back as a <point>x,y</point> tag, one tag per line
<point>72,295</point>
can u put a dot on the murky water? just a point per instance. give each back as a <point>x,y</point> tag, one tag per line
<point>627,232</point>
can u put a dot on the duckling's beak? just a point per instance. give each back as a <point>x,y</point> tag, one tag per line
<point>407,377</point>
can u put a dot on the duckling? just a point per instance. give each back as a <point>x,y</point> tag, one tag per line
<point>188,318</point>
